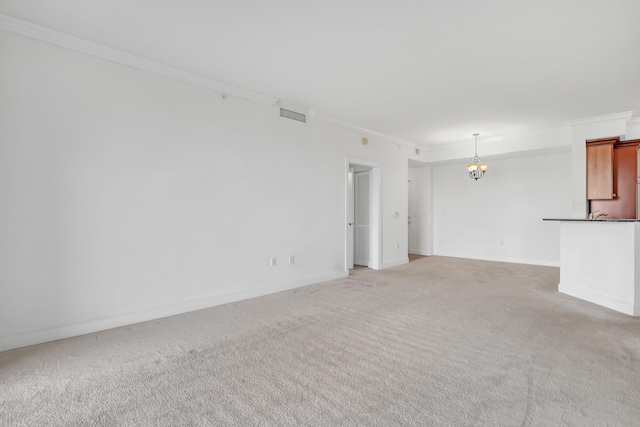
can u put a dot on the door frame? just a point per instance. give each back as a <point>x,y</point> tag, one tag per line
<point>375,213</point>
<point>351,220</point>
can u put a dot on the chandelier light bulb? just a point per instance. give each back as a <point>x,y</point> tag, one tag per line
<point>476,169</point>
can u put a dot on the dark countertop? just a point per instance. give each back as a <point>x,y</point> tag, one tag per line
<point>592,220</point>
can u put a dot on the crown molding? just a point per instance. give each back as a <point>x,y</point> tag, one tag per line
<point>626,116</point>
<point>554,132</point>
<point>350,126</point>
<point>634,120</point>
<point>78,44</point>
<point>543,141</point>
<point>48,35</point>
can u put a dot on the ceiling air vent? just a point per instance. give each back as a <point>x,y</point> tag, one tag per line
<point>293,115</point>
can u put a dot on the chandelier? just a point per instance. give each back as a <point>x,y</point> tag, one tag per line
<point>476,169</point>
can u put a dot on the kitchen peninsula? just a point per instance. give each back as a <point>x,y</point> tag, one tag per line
<point>600,262</point>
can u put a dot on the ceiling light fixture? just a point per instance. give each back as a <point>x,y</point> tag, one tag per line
<point>476,169</point>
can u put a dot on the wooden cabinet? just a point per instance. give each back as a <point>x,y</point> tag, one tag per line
<point>600,169</point>
<point>624,171</point>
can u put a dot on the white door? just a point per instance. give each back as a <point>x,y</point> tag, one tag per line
<point>350,219</point>
<point>361,211</point>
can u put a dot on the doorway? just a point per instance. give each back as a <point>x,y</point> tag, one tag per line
<point>420,208</point>
<point>363,212</point>
<point>361,215</point>
<point>413,223</point>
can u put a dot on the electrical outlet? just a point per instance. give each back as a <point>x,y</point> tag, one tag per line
<point>397,245</point>
<point>292,259</point>
<point>273,262</point>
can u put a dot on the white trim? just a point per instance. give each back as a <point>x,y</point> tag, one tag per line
<point>424,252</point>
<point>48,35</point>
<point>634,120</point>
<point>10,342</point>
<point>626,116</point>
<point>535,134</point>
<point>394,263</point>
<point>78,44</point>
<point>512,146</point>
<point>554,140</point>
<point>350,126</point>
<point>542,262</point>
<point>376,217</point>
<point>457,159</point>
<point>598,299</point>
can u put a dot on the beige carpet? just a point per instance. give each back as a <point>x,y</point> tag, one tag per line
<point>440,341</point>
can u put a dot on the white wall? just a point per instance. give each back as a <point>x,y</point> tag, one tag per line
<point>128,196</point>
<point>420,196</point>
<point>499,217</point>
<point>633,129</point>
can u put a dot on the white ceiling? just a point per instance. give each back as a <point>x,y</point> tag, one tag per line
<point>426,71</point>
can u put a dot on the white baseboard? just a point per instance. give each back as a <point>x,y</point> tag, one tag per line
<point>394,263</point>
<point>420,252</point>
<point>10,342</point>
<point>543,262</point>
<point>599,299</point>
